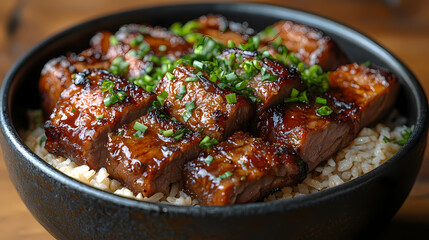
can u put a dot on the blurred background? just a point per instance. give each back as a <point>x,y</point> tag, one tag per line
<point>401,26</point>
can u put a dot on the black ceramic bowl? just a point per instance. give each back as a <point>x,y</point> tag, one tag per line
<point>69,209</point>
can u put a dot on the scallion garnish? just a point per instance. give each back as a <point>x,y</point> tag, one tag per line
<point>162,48</point>
<point>161,97</point>
<point>208,142</point>
<point>405,136</point>
<point>100,116</point>
<point>181,93</point>
<point>119,66</point>
<point>170,76</point>
<point>227,174</point>
<point>209,159</point>
<point>324,111</point>
<point>321,100</point>
<point>231,44</point>
<point>113,40</point>
<point>188,114</point>
<point>42,140</point>
<point>167,133</point>
<point>140,128</point>
<point>294,93</point>
<point>231,98</point>
<point>191,79</point>
<point>136,41</point>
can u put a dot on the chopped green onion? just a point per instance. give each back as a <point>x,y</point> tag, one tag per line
<point>188,114</point>
<point>366,64</point>
<point>119,66</point>
<point>106,85</point>
<point>243,178</point>
<point>136,41</point>
<point>386,139</point>
<point>209,159</point>
<point>161,97</point>
<point>170,76</point>
<point>227,174</point>
<point>231,44</point>
<point>303,96</point>
<point>294,93</point>
<point>190,106</point>
<point>73,110</point>
<point>140,127</point>
<point>162,48</point>
<point>168,133</point>
<point>291,99</point>
<point>321,100</point>
<point>181,93</point>
<point>208,142</point>
<point>113,40</point>
<point>405,136</point>
<point>324,111</point>
<point>100,116</point>
<point>231,98</point>
<point>42,140</point>
<point>198,64</point>
<point>191,79</point>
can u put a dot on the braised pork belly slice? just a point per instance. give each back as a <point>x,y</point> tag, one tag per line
<point>241,169</point>
<point>357,97</point>
<point>148,154</point>
<point>270,91</point>
<point>94,105</point>
<point>198,103</point>
<point>57,74</point>
<point>222,30</point>
<point>372,88</point>
<point>314,137</point>
<point>310,45</point>
<point>144,39</point>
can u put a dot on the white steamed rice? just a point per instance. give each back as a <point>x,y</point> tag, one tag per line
<point>366,152</point>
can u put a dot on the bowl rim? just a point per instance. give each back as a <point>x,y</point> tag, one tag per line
<point>258,208</point>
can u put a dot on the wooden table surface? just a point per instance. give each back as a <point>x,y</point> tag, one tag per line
<point>400,26</point>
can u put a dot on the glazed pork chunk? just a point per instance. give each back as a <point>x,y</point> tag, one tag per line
<point>358,96</point>
<point>57,74</point>
<point>310,45</point>
<point>198,103</point>
<point>148,154</point>
<point>127,53</point>
<point>372,88</point>
<point>274,85</point>
<point>241,169</point>
<point>144,39</point>
<point>94,105</point>
<point>222,30</point>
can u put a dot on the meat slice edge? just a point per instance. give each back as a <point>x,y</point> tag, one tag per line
<point>241,169</point>
<point>149,162</point>
<point>78,127</point>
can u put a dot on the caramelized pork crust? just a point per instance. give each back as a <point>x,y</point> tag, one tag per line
<point>57,74</point>
<point>241,169</point>
<point>310,45</point>
<point>314,137</point>
<point>372,88</point>
<point>358,96</point>
<point>159,40</point>
<point>203,106</point>
<point>79,124</point>
<point>149,162</point>
<point>270,92</point>
<point>222,30</point>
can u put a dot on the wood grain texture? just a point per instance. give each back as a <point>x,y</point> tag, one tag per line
<point>400,26</point>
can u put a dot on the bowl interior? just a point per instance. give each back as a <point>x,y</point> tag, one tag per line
<point>19,87</point>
